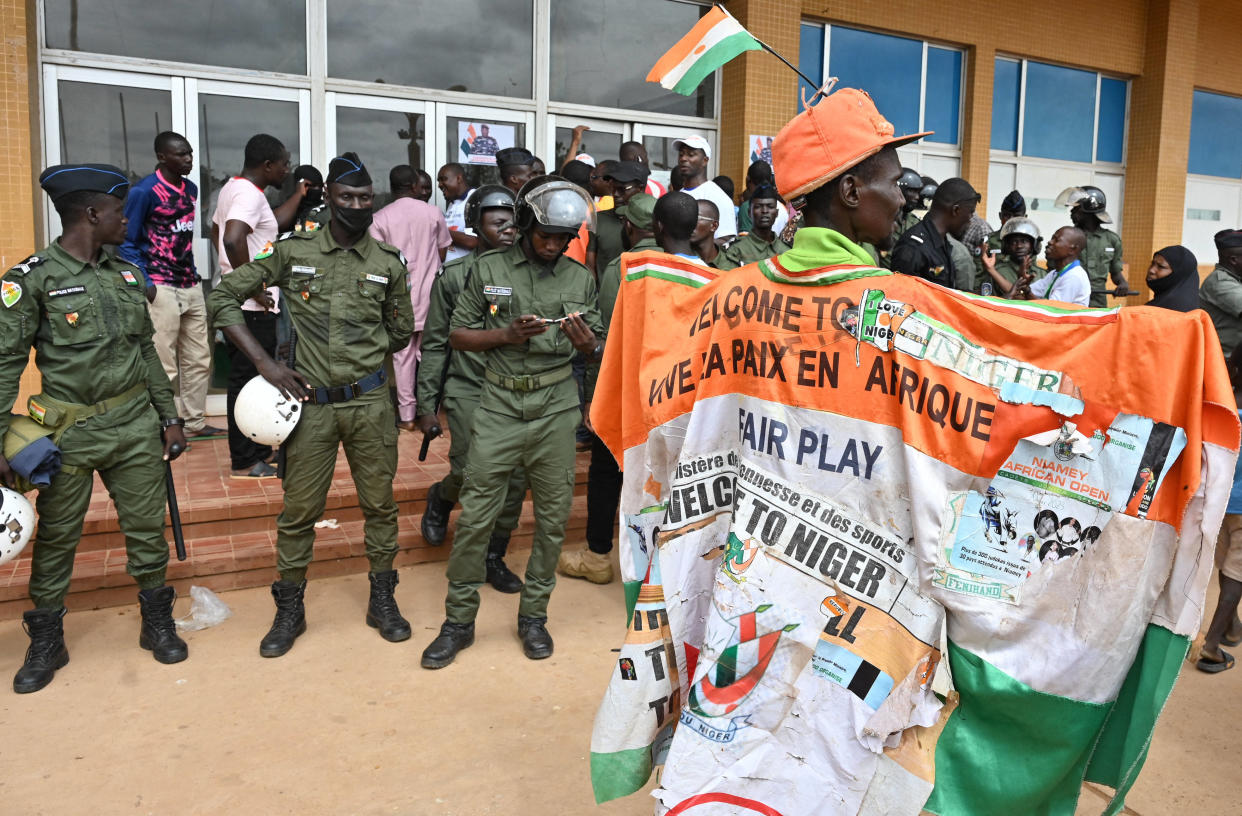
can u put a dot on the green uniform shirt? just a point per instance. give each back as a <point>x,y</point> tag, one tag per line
<point>464,379</point>
<point>1102,260</point>
<point>721,262</point>
<point>310,219</point>
<point>506,285</point>
<point>963,266</point>
<point>749,248</point>
<point>994,242</point>
<point>608,246</point>
<point>1009,269</point>
<point>1220,296</point>
<point>89,327</point>
<point>349,306</point>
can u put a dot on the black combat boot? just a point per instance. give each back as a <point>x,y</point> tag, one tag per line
<point>452,639</point>
<point>159,633</point>
<point>290,618</point>
<point>47,651</point>
<point>536,642</point>
<point>498,573</point>
<point>382,611</point>
<point>436,516</point>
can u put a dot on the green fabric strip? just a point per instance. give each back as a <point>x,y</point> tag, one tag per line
<point>631,597</point>
<point>713,58</point>
<point>1008,748</point>
<point>619,773</point>
<point>671,277</point>
<point>816,247</point>
<point>1122,747</point>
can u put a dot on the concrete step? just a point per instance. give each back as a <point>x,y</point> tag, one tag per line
<point>230,529</point>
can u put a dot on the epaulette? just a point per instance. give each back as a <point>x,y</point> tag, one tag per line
<point>284,236</point>
<point>916,238</point>
<point>733,239</point>
<point>25,266</point>
<point>392,250</point>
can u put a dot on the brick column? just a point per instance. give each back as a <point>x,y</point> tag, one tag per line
<point>758,92</point>
<point>977,120</point>
<point>18,200</point>
<point>1159,140</point>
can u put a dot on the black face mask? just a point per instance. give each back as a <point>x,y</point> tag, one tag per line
<point>354,220</point>
<point>314,197</point>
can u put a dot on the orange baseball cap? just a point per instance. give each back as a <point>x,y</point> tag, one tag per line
<point>828,138</point>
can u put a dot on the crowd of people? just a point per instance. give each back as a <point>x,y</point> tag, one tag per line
<point>492,314</point>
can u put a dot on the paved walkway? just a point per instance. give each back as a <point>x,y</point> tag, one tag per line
<point>349,724</point>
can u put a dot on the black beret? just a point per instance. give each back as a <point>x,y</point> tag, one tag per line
<point>348,169</point>
<point>627,171</point>
<point>62,179</point>
<point>1228,239</point>
<point>1014,203</point>
<point>511,156</point>
<point>307,172</point>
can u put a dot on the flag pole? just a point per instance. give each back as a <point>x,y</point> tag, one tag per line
<point>774,53</point>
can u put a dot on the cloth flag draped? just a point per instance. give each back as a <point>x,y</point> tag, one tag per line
<point>836,477</point>
<point>715,39</point>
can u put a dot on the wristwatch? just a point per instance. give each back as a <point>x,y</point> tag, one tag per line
<point>168,423</point>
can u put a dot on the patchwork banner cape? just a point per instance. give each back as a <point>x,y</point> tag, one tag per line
<point>835,475</point>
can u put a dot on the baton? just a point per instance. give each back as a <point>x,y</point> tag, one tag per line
<point>427,437</point>
<point>174,513</point>
<point>1113,292</point>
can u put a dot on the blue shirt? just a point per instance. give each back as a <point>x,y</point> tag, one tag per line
<point>160,235</point>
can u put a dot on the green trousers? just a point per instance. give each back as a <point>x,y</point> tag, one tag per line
<point>124,446</point>
<point>500,444</point>
<point>461,425</point>
<point>368,431</point>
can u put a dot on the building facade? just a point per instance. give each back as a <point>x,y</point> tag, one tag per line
<point>1143,99</point>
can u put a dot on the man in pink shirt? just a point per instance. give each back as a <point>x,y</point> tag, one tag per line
<point>242,225</point>
<point>419,230</point>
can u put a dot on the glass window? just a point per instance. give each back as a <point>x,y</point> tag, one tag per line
<point>889,68</point>
<point>1006,93</point>
<point>943,94</point>
<point>473,144</point>
<point>111,124</point>
<point>662,157</point>
<point>267,36</point>
<point>598,144</point>
<point>1215,121</point>
<point>1059,121</point>
<point>1111,134</point>
<point>225,124</point>
<point>601,52</point>
<point>382,139</point>
<point>478,46</point>
<point>810,59</point>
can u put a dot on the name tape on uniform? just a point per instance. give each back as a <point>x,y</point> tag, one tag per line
<point>377,279</point>
<point>68,290</point>
<point>497,290</point>
<point>303,270</point>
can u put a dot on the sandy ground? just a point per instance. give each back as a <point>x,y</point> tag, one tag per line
<point>349,724</point>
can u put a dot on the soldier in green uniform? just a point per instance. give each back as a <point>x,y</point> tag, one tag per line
<point>1220,295</point>
<point>529,310</point>
<point>313,211</point>
<point>627,178</point>
<point>1021,243</point>
<point>349,306</point>
<point>761,242</point>
<point>455,379</point>
<point>105,398</point>
<point>703,239</point>
<point>604,477</point>
<point>1102,257</point>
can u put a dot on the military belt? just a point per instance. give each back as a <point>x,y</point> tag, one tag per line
<point>530,382</point>
<point>344,393</point>
<point>54,413</point>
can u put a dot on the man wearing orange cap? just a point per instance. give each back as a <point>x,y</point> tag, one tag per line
<point>840,155</point>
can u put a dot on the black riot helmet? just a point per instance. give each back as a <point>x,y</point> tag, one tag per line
<point>556,204</point>
<point>485,198</point>
<point>1088,199</point>
<point>910,179</point>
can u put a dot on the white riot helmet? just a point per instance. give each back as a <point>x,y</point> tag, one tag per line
<point>17,524</point>
<point>557,205</point>
<point>264,414</point>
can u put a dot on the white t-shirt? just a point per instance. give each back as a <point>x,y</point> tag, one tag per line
<point>1071,285</point>
<point>240,199</point>
<point>710,191</point>
<point>455,217</point>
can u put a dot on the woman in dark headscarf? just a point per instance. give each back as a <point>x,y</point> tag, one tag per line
<point>1174,278</point>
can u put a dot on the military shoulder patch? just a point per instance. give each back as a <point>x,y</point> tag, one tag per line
<point>267,250</point>
<point>10,293</point>
<point>129,277</point>
<point>25,266</point>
